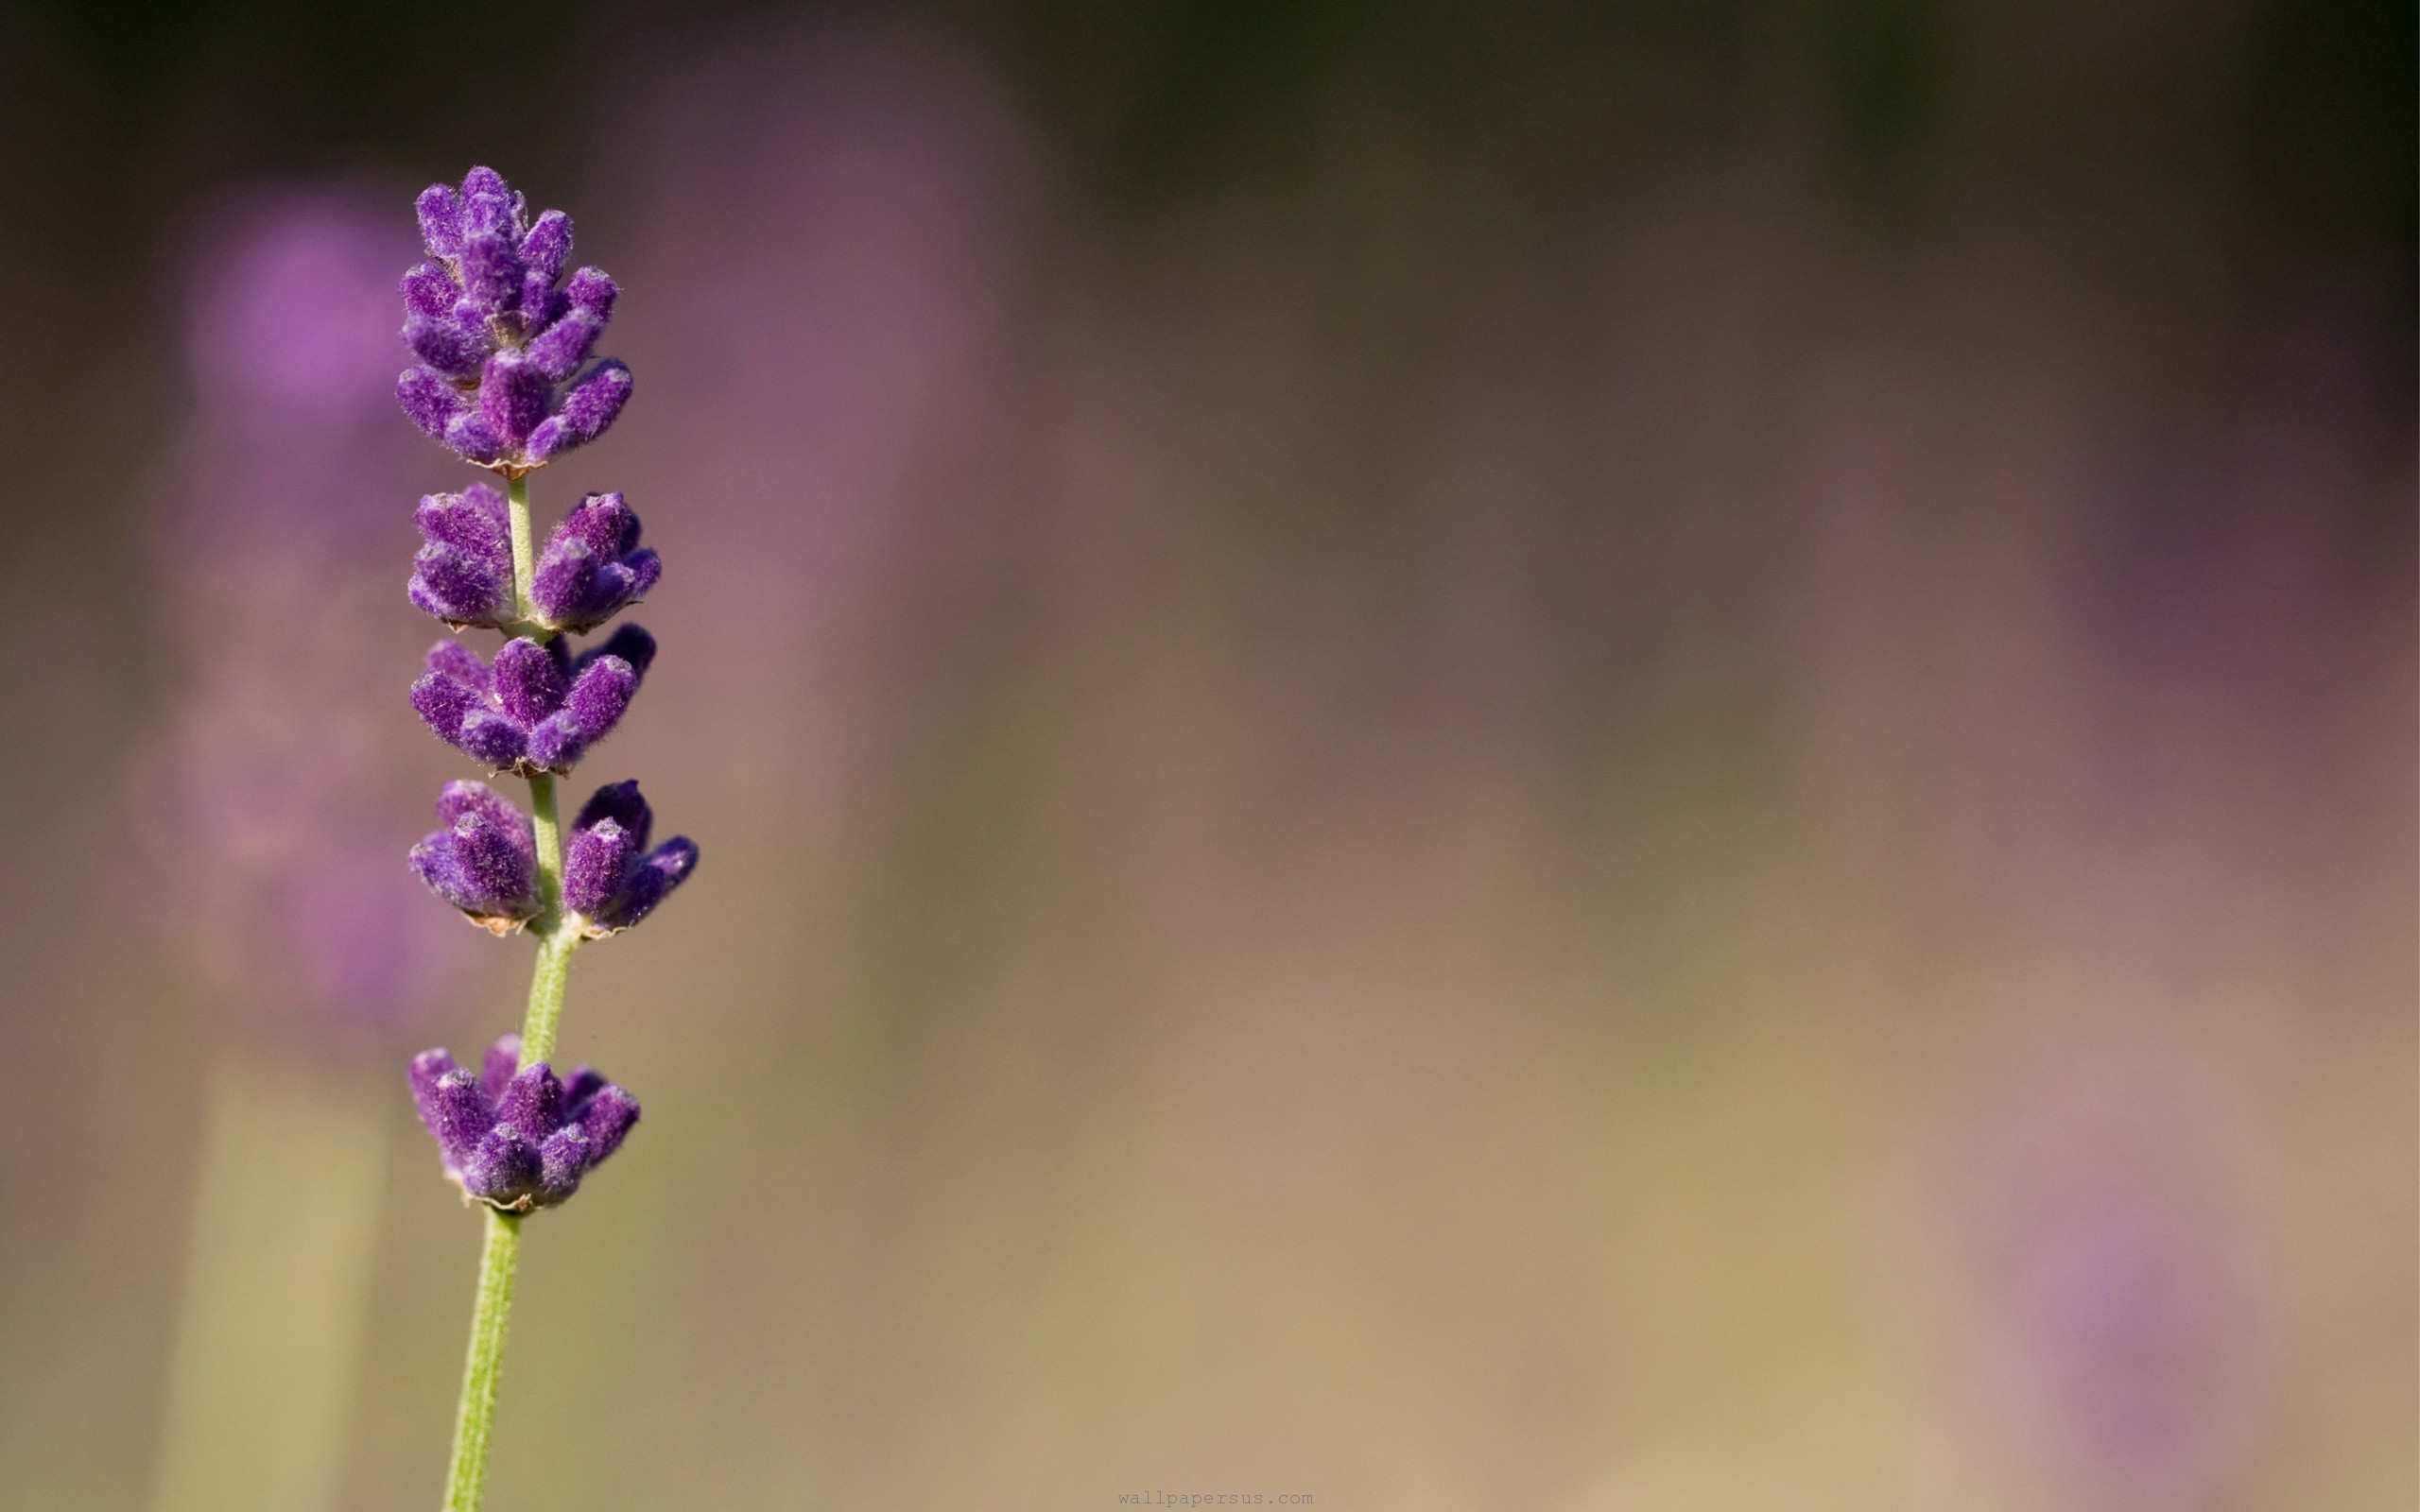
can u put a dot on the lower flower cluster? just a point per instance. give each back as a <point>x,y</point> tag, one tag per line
<point>515,1137</point>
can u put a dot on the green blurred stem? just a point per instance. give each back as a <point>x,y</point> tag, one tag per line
<point>475,1420</point>
<point>557,935</point>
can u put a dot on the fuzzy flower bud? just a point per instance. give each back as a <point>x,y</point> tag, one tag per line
<point>610,877</point>
<point>593,567</point>
<point>485,861</point>
<point>538,707</point>
<point>515,1137</point>
<point>494,341</point>
<point>464,575</point>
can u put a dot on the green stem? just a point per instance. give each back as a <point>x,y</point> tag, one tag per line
<point>558,936</point>
<point>475,1420</point>
<point>525,548</point>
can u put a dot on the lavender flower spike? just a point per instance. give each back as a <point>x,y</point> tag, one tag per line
<point>593,567</point>
<point>538,709</point>
<point>463,575</point>
<point>494,341</point>
<point>485,861</point>
<point>512,1136</point>
<point>505,374</point>
<point>610,878</point>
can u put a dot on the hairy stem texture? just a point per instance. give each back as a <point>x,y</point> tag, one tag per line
<point>475,1420</point>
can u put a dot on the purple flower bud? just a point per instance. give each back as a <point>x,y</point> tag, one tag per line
<point>429,290</point>
<point>445,347</point>
<point>491,272</point>
<point>547,246</point>
<point>487,309</point>
<point>452,1105</point>
<point>536,709</point>
<point>530,681</point>
<point>610,878</point>
<point>502,1171</point>
<point>513,396</point>
<point>485,861</point>
<point>559,351</point>
<point>591,290</point>
<point>432,403</point>
<point>440,222</point>
<point>593,567</point>
<point>587,411</point>
<point>496,1066</point>
<point>470,433</point>
<point>463,575</point>
<point>519,1140</point>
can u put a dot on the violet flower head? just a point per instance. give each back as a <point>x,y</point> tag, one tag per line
<point>611,878</point>
<point>593,567</point>
<point>501,349</point>
<point>537,708</point>
<point>485,861</point>
<point>515,1137</point>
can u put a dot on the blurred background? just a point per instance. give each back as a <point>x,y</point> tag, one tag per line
<point>1532,756</point>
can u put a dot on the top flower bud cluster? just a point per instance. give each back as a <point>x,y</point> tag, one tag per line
<point>501,349</point>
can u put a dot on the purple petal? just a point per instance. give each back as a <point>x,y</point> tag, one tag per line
<point>450,1106</point>
<point>581,1084</point>
<point>429,290</point>
<point>548,245</point>
<point>472,520</point>
<point>559,351</point>
<point>564,588</point>
<point>496,1066</point>
<point>458,661</point>
<point>458,588</point>
<point>607,1120</point>
<point>587,412</point>
<point>591,290</point>
<point>447,347</point>
<point>604,523</point>
<point>498,873</point>
<point>592,406</point>
<point>513,396</point>
<point>432,403</point>
<point>533,1102</point>
<point>650,882</point>
<point>630,642</point>
<point>479,868</point>
<point>503,1169</point>
<point>562,1161</point>
<point>621,803</point>
<point>493,741</point>
<point>556,744</point>
<point>445,704</point>
<point>471,436</point>
<point>599,697</point>
<point>594,863</point>
<point>491,272</point>
<point>459,798</point>
<point>530,680</point>
<point>440,222</point>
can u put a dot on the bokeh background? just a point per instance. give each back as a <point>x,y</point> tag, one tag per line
<point>1532,756</point>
